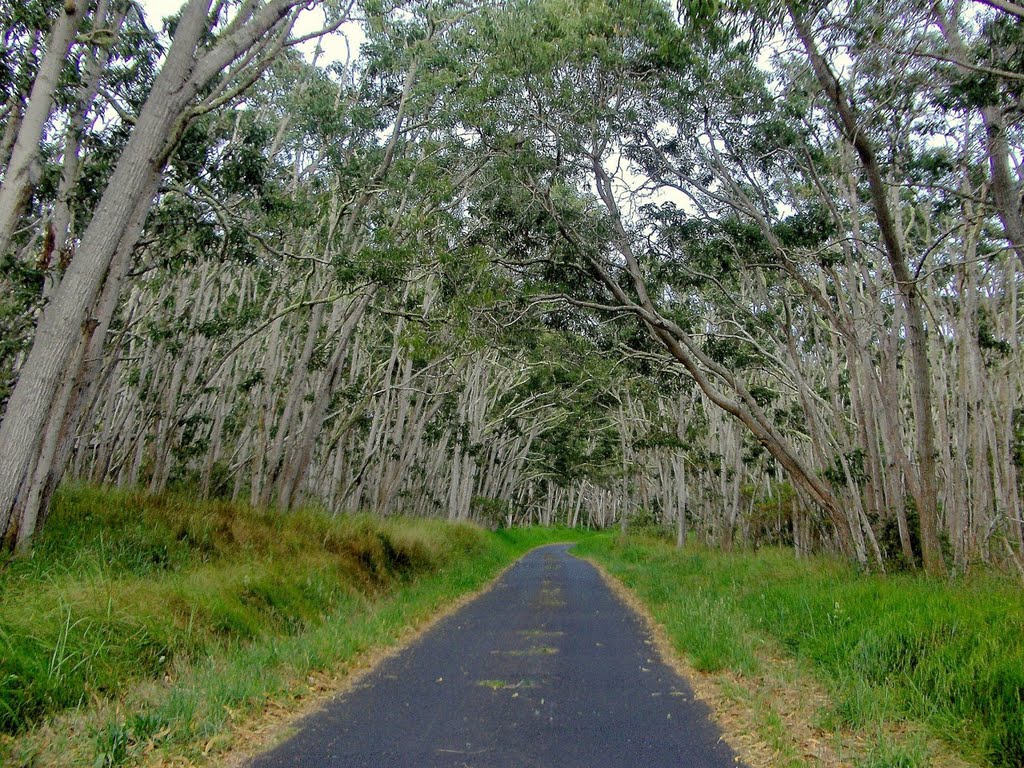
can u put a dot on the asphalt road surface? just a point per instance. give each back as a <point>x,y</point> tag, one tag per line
<point>547,669</point>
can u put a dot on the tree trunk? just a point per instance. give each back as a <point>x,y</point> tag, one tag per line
<point>683,348</point>
<point>906,284</point>
<point>17,184</point>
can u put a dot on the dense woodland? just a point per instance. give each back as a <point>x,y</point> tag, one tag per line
<point>744,271</point>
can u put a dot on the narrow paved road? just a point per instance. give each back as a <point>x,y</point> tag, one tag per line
<point>547,669</point>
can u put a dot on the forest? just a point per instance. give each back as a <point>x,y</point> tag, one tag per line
<point>747,271</point>
<point>290,290</point>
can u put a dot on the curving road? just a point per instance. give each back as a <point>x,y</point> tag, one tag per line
<point>547,669</point>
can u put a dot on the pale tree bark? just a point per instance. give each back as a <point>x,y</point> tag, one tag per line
<point>680,468</point>
<point>906,283</point>
<point>91,65</point>
<point>64,418</point>
<point>825,440</point>
<point>17,183</point>
<point>1005,193</point>
<point>294,394</point>
<point>302,450</point>
<point>858,310</point>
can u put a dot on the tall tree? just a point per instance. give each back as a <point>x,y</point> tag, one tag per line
<point>220,68</point>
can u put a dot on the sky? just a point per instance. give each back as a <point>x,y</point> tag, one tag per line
<point>157,9</point>
<point>336,47</point>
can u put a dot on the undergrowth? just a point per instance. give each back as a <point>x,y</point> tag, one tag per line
<point>949,655</point>
<point>146,623</point>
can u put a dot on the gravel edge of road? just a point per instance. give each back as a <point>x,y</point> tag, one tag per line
<point>736,722</point>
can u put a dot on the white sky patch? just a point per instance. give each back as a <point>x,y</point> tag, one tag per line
<point>333,48</point>
<point>634,189</point>
<point>158,10</point>
<point>341,46</point>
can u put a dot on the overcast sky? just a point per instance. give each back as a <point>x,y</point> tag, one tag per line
<point>336,47</point>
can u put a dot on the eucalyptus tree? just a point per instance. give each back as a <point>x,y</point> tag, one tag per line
<point>749,271</point>
<point>111,52</point>
<point>589,78</point>
<point>737,203</point>
<point>342,206</point>
<point>28,113</point>
<point>892,170</point>
<point>855,131</point>
<point>986,52</point>
<point>213,57</point>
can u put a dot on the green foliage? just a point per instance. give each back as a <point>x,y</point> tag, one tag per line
<point>770,515</point>
<point>492,513</point>
<point>21,297</point>
<point>806,229</point>
<point>1018,438</point>
<point>949,655</point>
<point>848,468</point>
<point>988,341</point>
<point>889,539</point>
<point>649,521</point>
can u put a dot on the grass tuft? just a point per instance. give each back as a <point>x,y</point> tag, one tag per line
<point>949,655</point>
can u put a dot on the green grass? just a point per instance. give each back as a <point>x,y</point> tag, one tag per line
<point>890,649</point>
<point>153,623</point>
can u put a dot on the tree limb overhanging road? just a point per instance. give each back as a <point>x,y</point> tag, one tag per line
<point>548,668</point>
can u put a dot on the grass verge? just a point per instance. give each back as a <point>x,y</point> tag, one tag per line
<point>147,630</point>
<point>884,667</point>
